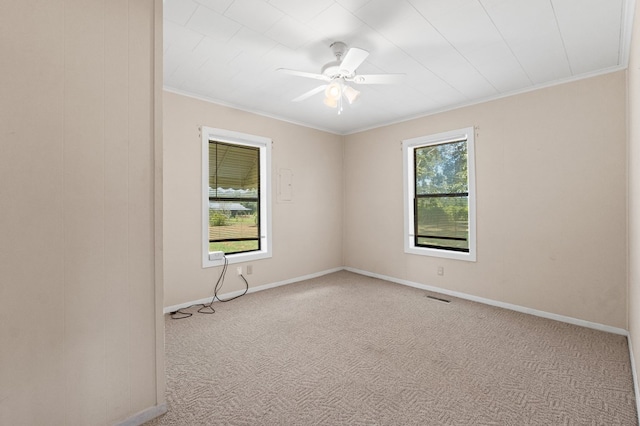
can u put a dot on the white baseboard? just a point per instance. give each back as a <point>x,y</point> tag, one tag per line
<point>144,416</point>
<point>460,295</point>
<point>174,308</point>
<point>517,308</point>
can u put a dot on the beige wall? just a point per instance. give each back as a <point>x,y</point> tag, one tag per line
<point>551,201</point>
<point>634,189</point>
<point>307,232</point>
<point>551,179</point>
<point>78,323</point>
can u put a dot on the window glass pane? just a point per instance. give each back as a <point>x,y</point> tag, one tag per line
<point>233,198</point>
<point>442,244</point>
<point>233,170</point>
<point>441,169</point>
<point>230,247</point>
<point>228,220</point>
<point>442,221</point>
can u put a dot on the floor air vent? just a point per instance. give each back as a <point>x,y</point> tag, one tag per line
<point>438,299</point>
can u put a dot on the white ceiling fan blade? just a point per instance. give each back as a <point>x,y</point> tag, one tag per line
<point>378,79</point>
<point>352,60</point>
<point>309,93</point>
<point>304,74</point>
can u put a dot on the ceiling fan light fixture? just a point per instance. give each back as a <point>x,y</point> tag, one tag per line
<point>333,91</point>
<point>332,103</point>
<point>351,94</point>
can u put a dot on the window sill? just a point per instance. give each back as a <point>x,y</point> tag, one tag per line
<point>236,258</point>
<point>447,254</point>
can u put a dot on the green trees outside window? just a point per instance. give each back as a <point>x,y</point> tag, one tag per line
<point>441,201</point>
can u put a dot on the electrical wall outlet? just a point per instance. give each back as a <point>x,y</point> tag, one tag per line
<point>239,270</point>
<point>249,269</point>
<point>440,270</point>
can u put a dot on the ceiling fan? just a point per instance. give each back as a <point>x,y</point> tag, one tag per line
<point>339,72</point>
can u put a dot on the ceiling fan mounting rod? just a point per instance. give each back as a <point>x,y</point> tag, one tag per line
<point>338,48</point>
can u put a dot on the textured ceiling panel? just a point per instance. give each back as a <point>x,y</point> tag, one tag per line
<point>576,19</point>
<point>451,52</point>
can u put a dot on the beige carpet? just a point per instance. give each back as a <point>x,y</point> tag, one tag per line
<point>345,349</point>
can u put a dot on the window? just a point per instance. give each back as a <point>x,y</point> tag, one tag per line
<point>439,195</point>
<point>236,208</point>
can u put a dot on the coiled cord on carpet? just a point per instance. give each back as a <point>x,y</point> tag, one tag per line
<point>207,308</point>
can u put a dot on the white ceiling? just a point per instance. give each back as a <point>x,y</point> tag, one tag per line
<point>453,52</point>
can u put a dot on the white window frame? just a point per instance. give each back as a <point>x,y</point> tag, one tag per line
<point>264,145</point>
<point>408,149</point>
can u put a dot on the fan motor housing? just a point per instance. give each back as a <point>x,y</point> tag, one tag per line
<point>332,69</point>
